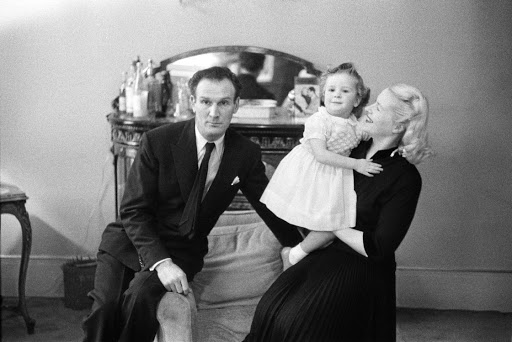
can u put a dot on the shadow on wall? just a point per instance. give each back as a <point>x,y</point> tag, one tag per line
<point>45,239</point>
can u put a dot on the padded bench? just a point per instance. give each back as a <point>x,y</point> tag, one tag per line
<point>242,262</point>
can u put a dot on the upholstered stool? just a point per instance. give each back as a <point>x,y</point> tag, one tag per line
<point>243,260</point>
<point>180,313</point>
<point>12,201</point>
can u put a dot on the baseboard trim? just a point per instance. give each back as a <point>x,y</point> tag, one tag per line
<point>417,287</point>
<point>457,289</point>
<point>461,270</point>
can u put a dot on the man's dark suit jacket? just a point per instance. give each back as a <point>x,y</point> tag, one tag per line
<point>157,189</point>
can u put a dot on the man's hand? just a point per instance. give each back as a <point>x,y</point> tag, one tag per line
<point>172,277</point>
<point>367,167</point>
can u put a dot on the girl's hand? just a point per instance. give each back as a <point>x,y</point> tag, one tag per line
<point>367,167</point>
<point>362,135</point>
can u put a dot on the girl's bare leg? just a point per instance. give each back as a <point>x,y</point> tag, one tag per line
<point>314,240</point>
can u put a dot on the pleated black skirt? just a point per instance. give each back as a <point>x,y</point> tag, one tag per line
<point>328,296</point>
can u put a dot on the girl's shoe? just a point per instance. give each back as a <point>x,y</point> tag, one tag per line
<point>285,255</point>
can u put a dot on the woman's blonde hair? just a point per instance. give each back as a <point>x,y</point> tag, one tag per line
<point>412,112</point>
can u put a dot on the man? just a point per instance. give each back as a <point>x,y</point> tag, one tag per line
<point>251,64</point>
<point>154,248</point>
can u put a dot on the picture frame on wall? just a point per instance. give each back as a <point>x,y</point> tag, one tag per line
<point>307,96</point>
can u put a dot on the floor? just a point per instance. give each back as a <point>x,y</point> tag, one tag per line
<point>55,323</point>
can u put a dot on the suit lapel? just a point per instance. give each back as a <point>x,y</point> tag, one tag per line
<point>185,158</point>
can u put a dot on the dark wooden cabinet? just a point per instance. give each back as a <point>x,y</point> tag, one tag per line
<point>276,137</point>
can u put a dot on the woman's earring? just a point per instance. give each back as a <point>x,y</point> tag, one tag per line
<point>398,128</point>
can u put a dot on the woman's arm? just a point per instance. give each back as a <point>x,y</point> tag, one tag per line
<point>396,214</point>
<point>324,156</point>
<point>395,217</point>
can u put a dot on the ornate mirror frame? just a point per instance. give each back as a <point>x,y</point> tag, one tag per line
<point>310,68</point>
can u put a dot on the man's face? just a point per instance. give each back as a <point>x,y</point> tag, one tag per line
<point>214,105</point>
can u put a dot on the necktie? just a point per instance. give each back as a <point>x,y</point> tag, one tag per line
<point>191,211</point>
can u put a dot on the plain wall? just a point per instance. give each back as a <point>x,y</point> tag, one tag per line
<point>61,67</point>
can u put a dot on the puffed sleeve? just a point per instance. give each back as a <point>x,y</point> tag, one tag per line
<point>315,128</point>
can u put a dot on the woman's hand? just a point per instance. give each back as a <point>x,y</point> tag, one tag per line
<point>362,135</point>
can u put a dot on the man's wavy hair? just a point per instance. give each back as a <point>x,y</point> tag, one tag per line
<point>214,73</point>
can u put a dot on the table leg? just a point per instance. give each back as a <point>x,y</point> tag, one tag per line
<point>19,211</point>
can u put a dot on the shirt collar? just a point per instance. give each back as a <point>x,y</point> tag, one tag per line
<point>364,146</point>
<point>201,142</point>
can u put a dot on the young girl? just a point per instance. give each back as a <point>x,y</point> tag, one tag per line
<point>313,186</point>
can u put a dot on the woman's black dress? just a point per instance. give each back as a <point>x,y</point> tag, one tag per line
<point>336,294</point>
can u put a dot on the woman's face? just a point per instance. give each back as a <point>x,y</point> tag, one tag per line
<point>378,119</point>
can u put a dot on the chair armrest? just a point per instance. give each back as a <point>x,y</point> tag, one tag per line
<point>176,314</point>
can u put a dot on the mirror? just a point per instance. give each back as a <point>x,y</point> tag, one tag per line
<point>264,73</point>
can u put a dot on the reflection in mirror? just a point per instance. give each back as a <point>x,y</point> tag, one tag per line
<point>265,74</point>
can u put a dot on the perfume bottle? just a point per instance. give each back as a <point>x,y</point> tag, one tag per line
<point>129,90</point>
<point>154,88</point>
<point>122,94</point>
<point>140,93</point>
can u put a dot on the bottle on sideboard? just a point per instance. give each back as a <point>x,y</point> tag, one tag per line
<point>122,94</point>
<point>148,70</point>
<point>129,90</point>
<point>140,93</point>
<point>154,88</point>
<point>167,89</point>
<point>183,104</point>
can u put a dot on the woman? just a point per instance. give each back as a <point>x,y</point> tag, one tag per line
<point>346,291</point>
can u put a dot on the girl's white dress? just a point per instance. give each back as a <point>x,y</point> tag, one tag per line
<point>309,194</point>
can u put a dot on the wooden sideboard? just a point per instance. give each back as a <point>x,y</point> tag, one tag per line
<point>276,137</point>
